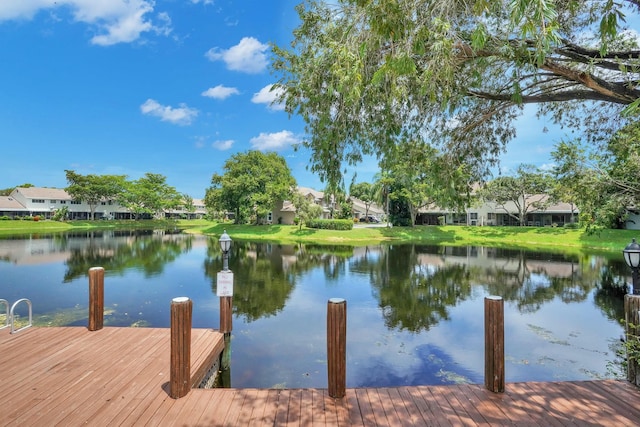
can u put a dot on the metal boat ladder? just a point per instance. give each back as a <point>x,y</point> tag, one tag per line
<point>10,317</point>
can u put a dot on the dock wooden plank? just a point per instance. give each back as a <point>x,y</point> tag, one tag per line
<point>421,405</point>
<point>569,398</point>
<point>389,407</point>
<point>268,400</point>
<point>242,406</point>
<point>366,410</point>
<point>55,379</point>
<point>516,408</point>
<point>119,376</point>
<point>282,408</point>
<point>537,407</point>
<point>295,407</point>
<point>441,405</point>
<point>119,388</point>
<point>318,409</point>
<point>215,412</point>
<point>308,414</point>
<point>619,394</point>
<point>405,408</point>
<point>343,408</point>
<point>355,417</point>
<point>493,412</point>
<point>178,413</point>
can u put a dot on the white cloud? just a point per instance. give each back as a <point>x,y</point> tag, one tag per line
<point>248,56</point>
<point>114,21</point>
<point>202,1</point>
<point>274,141</point>
<point>223,145</point>
<point>182,115</point>
<point>268,96</point>
<point>220,92</point>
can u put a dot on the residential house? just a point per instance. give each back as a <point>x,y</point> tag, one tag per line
<point>490,213</point>
<point>362,209</point>
<point>284,211</point>
<point>44,202</point>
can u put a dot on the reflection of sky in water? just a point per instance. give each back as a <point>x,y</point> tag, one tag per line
<point>558,341</point>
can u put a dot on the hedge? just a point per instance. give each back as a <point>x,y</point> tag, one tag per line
<point>330,224</point>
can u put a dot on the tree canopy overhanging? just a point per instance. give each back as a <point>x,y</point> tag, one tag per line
<point>366,75</point>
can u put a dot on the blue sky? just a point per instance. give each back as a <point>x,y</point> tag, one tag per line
<point>173,87</point>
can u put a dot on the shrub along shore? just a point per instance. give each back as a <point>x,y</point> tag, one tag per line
<point>533,238</point>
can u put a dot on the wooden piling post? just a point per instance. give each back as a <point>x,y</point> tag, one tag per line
<point>226,314</point>
<point>337,346</point>
<point>632,317</point>
<point>494,344</point>
<point>180,369</point>
<point>96,298</point>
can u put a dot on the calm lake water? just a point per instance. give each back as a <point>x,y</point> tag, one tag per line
<point>414,313</point>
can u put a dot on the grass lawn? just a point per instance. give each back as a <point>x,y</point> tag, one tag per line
<point>561,239</point>
<point>548,238</point>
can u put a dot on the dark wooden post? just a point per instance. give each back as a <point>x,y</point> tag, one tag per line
<point>224,376</point>
<point>180,370</point>
<point>494,344</point>
<point>632,317</point>
<point>337,346</point>
<point>96,298</point>
<point>226,314</point>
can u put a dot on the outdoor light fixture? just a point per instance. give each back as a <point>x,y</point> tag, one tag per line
<point>225,245</point>
<point>632,258</point>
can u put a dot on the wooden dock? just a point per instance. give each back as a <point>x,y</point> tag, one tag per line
<point>119,376</point>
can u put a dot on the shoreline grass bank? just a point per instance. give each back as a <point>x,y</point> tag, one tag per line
<point>533,238</point>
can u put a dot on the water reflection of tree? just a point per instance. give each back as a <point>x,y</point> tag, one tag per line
<point>413,295</point>
<point>148,252</point>
<point>265,274</point>
<point>261,285</point>
<point>612,287</point>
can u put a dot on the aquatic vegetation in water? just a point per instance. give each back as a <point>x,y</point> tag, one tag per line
<point>65,317</point>
<point>546,335</point>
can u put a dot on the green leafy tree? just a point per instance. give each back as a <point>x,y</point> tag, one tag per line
<point>251,185</point>
<point>150,195</point>
<point>606,181</point>
<point>366,192</point>
<point>94,189</point>
<point>61,214</point>
<point>382,188</point>
<point>369,75</point>
<point>306,210</point>
<point>528,190</point>
<point>571,173</point>
<point>422,177</point>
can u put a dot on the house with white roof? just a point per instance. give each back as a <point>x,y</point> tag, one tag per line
<point>491,213</point>
<point>44,202</point>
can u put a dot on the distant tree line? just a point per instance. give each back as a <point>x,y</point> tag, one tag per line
<point>602,185</point>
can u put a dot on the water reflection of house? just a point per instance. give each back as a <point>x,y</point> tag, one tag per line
<point>490,259</point>
<point>104,244</point>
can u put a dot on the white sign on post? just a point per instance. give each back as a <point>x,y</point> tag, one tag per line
<point>224,284</point>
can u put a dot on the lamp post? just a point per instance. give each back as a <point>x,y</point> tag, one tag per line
<point>225,245</point>
<point>632,258</point>
<point>632,311</point>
